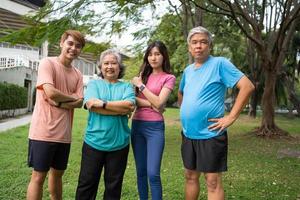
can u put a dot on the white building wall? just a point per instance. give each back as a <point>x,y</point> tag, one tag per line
<point>19,50</point>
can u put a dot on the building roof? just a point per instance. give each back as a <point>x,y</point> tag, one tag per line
<point>10,20</point>
<point>34,4</point>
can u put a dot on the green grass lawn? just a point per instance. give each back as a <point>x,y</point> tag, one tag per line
<point>256,172</point>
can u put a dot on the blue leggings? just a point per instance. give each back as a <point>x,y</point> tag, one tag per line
<point>148,141</point>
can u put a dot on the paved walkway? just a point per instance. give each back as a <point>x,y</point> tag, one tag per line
<point>10,123</point>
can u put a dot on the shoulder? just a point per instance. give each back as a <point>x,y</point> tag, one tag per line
<point>220,60</point>
<point>124,83</point>
<point>47,64</point>
<point>188,68</point>
<point>169,77</point>
<point>47,61</point>
<point>77,71</point>
<point>94,82</point>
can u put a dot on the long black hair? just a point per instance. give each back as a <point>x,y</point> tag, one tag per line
<point>146,68</point>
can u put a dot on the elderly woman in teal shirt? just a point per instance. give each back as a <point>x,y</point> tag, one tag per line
<point>106,141</point>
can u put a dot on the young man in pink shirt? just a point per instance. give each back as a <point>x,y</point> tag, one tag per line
<point>59,91</point>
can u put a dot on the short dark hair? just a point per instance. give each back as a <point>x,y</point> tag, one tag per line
<point>75,34</point>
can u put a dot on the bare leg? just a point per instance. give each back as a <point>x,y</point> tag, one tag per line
<point>35,186</point>
<point>214,186</point>
<point>192,187</point>
<point>55,184</point>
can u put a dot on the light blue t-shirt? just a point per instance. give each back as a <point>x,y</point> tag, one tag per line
<point>108,132</point>
<point>204,91</point>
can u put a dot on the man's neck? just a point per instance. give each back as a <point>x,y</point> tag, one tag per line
<point>64,61</point>
<point>199,62</point>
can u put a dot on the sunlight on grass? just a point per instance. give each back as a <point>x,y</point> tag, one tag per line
<point>255,170</point>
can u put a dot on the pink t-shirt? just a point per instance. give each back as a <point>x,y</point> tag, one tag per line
<point>155,84</point>
<point>50,123</point>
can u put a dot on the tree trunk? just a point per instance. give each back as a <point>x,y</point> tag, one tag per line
<point>289,84</point>
<point>185,21</point>
<point>254,77</point>
<point>253,104</point>
<point>198,16</point>
<point>268,127</point>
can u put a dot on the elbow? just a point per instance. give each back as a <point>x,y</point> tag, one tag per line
<point>251,88</point>
<point>80,103</point>
<point>129,106</point>
<point>158,106</point>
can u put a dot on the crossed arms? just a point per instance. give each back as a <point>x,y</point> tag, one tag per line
<point>58,98</point>
<point>122,107</point>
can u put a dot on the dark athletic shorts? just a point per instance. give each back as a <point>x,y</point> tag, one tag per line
<point>205,155</point>
<point>42,155</point>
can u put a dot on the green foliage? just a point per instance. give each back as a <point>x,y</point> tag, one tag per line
<point>12,96</point>
<point>50,21</point>
<point>169,32</point>
<point>256,170</point>
<point>133,66</point>
<point>96,48</point>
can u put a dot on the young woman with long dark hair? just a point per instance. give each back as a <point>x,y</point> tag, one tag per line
<point>154,86</point>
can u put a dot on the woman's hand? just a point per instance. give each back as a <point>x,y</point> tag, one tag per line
<point>96,103</point>
<point>137,81</point>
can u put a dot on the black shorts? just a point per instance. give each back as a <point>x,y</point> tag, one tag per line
<point>42,155</point>
<point>207,155</point>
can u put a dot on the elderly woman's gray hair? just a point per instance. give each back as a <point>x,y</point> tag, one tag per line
<point>119,60</point>
<point>199,30</point>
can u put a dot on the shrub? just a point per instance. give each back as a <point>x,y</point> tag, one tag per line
<point>12,96</point>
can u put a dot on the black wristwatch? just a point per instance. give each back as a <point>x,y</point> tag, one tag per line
<point>142,87</point>
<point>104,104</point>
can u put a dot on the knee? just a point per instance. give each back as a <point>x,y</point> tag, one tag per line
<point>191,177</point>
<point>38,178</point>
<point>141,172</point>
<point>154,178</point>
<point>212,184</point>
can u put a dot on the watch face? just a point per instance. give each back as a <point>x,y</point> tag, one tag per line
<point>141,88</point>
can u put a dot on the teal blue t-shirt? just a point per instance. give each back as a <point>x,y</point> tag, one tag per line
<point>204,92</point>
<point>108,132</point>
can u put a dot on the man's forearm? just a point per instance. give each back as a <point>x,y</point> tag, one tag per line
<point>58,96</point>
<point>73,104</point>
<point>245,89</point>
<point>64,98</point>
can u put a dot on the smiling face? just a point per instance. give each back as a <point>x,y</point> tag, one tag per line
<point>199,47</point>
<point>110,68</point>
<point>70,48</point>
<point>155,58</point>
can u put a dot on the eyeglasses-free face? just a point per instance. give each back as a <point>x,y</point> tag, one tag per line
<point>199,47</point>
<point>110,68</point>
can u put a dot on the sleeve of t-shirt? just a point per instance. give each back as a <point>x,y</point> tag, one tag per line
<point>79,88</point>
<point>182,82</point>
<point>230,75</point>
<point>129,94</point>
<point>45,73</point>
<point>170,82</point>
<point>91,91</point>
